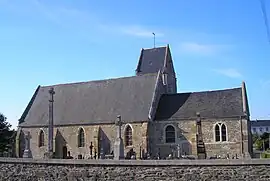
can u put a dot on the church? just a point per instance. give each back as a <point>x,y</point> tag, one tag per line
<point>155,118</point>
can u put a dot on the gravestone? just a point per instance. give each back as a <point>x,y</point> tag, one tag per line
<point>27,152</point>
<point>118,144</point>
<point>178,151</point>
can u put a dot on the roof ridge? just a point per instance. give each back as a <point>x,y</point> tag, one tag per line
<point>215,90</point>
<point>154,48</point>
<point>101,80</point>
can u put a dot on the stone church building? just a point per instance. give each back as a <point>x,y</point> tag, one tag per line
<point>156,119</point>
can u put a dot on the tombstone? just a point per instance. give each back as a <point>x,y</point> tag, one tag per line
<point>95,153</point>
<point>118,145</point>
<point>178,151</point>
<point>27,152</point>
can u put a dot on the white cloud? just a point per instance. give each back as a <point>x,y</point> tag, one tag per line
<point>139,31</point>
<point>131,30</point>
<point>229,72</point>
<point>193,47</point>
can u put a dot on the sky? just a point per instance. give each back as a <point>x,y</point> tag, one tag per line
<point>214,44</point>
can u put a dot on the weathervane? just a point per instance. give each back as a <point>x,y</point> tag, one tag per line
<point>154,39</point>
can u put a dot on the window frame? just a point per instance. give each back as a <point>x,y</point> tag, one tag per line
<point>41,138</point>
<point>128,135</point>
<point>81,138</point>
<point>171,132</point>
<point>222,133</point>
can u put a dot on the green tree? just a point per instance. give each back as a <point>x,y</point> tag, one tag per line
<point>254,138</point>
<point>6,135</point>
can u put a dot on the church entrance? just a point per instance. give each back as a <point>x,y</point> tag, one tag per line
<point>64,151</point>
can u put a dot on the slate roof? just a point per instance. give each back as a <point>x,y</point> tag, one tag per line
<point>258,123</point>
<point>94,102</point>
<point>151,60</point>
<point>210,104</point>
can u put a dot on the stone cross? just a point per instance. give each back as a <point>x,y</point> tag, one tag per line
<point>27,152</point>
<point>118,145</point>
<point>51,125</point>
<point>118,123</point>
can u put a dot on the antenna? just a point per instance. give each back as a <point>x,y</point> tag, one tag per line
<point>154,39</point>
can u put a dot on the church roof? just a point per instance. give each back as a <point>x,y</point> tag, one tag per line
<point>93,102</point>
<point>210,104</point>
<point>151,60</point>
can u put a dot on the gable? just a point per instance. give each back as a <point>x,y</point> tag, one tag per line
<point>211,104</point>
<point>151,60</point>
<point>94,102</point>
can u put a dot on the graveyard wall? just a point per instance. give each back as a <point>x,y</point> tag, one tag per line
<point>56,169</point>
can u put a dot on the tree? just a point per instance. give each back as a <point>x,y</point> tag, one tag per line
<point>6,135</point>
<point>262,141</point>
<point>255,137</point>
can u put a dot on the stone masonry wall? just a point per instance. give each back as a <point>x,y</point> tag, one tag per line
<point>69,170</point>
<point>68,136</point>
<point>186,135</point>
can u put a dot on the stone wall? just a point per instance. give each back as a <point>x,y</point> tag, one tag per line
<point>180,170</point>
<point>186,135</point>
<point>68,136</point>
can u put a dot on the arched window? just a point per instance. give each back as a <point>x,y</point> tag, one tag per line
<point>223,133</point>
<point>220,132</point>
<point>217,132</point>
<point>81,142</point>
<point>128,136</point>
<point>41,138</point>
<point>170,134</point>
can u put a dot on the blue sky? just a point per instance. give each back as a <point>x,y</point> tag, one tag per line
<point>215,45</point>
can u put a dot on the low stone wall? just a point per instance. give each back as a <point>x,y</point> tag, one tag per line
<point>128,170</point>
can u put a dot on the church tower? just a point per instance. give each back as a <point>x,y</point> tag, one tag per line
<point>158,59</point>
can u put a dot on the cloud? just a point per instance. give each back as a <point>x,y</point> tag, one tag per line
<point>192,47</point>
<point>139,31</point>
<point>201,49</point>
<point>229,72</point>
<point>132,30</point>
<point>73,18</point>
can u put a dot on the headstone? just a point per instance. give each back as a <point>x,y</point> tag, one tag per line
<point>27,152</point>
<point>118,145</point>
<point>178,151</point>
<point>95,153</point>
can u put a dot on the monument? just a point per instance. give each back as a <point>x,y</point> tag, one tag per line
<point>27,152</point>
<point>200,144</point>
<point>50,127</point>
<point>118,144</point>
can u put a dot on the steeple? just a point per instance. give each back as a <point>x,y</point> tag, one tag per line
<point>158,59</point>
